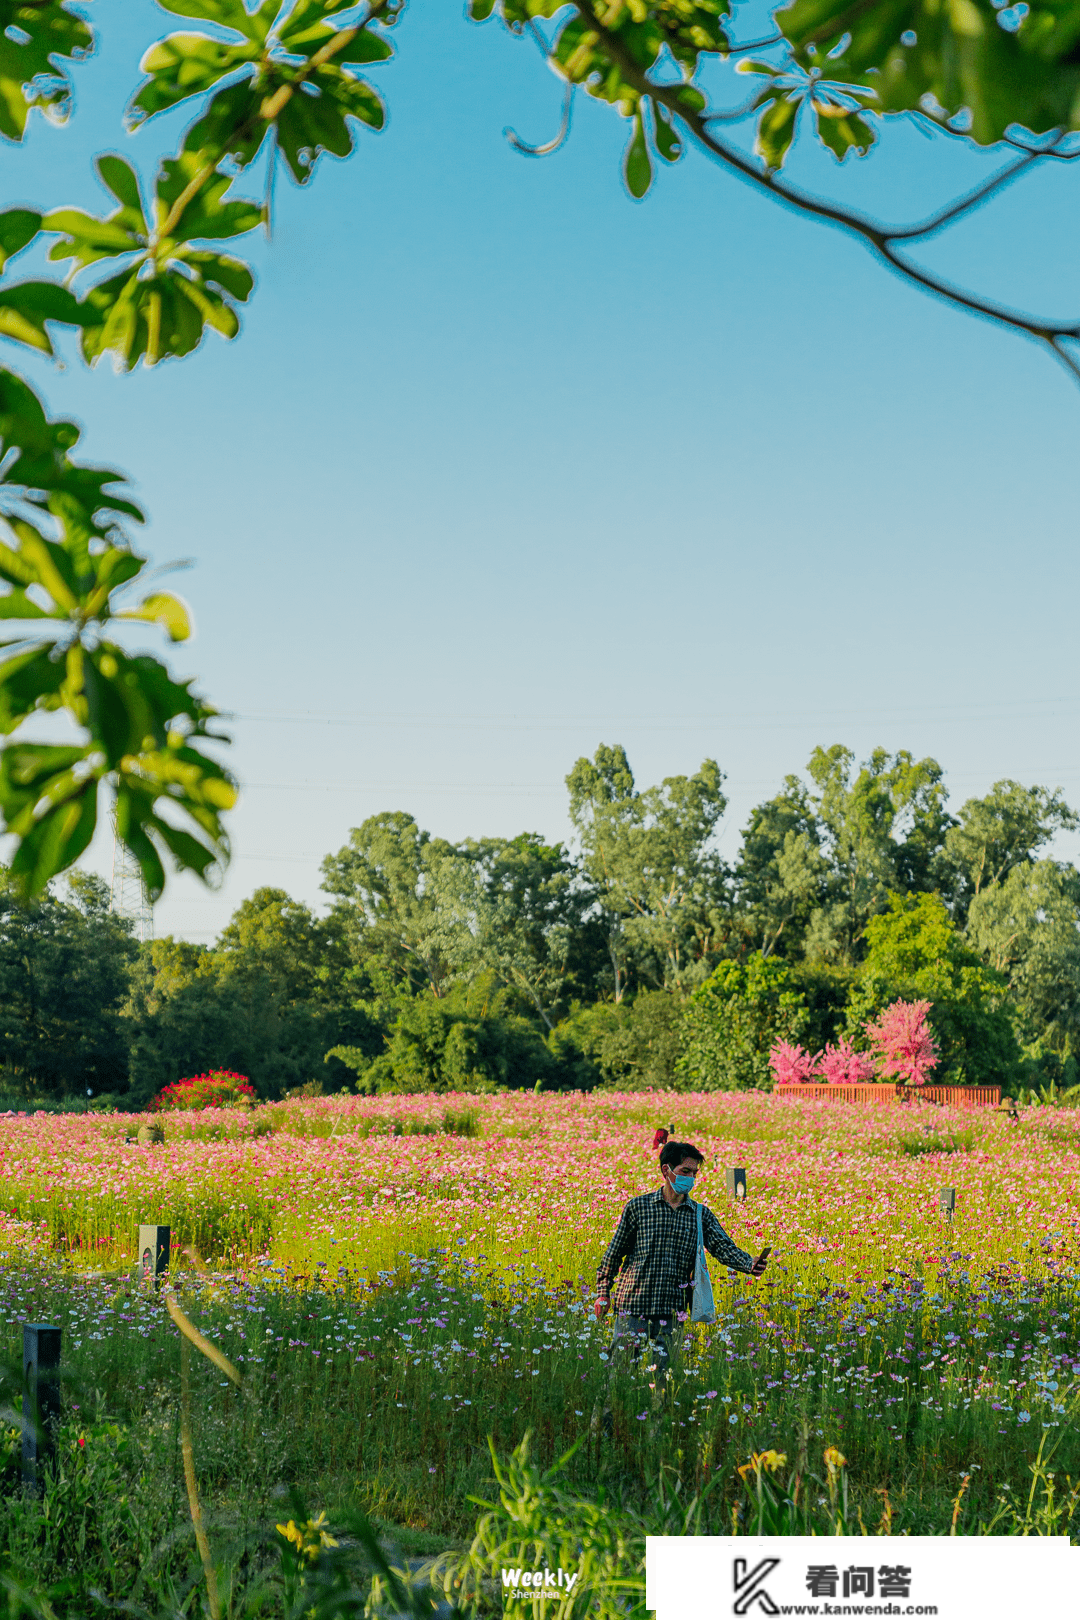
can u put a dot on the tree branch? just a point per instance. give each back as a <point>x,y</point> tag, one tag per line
<point>879,238</point>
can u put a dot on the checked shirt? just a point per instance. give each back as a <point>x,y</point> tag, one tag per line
<point>656,1246</point>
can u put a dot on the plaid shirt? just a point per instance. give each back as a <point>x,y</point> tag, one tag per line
<point>659,1247</point>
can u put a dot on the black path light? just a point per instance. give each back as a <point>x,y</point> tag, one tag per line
<point>947,1201</point>
<point>41,1399</point>
<point>154,1244</point>
<point>735,1180</point>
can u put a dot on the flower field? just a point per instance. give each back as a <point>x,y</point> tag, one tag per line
<point>399,1278</point>
<point>845,1199</point>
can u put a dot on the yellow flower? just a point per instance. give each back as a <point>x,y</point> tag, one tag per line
<point>769,1460</point>
<point>309,1538</point>
<point>291,1533</point>
<point>833,1459</point>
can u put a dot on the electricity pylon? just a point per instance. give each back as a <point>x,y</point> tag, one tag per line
<point>129,897</point>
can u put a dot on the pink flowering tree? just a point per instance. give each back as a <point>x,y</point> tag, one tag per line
<point>841,1065</point>
<point>791,1065</point>
<point>903,1042</point>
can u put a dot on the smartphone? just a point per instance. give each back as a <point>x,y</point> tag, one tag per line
<point>764,1255</point>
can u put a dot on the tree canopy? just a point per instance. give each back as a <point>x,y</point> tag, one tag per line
<point>632,955</point>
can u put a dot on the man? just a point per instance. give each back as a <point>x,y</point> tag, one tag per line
<point>655,1243</point>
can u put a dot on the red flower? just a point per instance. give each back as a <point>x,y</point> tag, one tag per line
<point>82,1440</point>
<point>659,1139</point>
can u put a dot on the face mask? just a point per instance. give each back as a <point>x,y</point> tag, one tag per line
<point>683,1184</point>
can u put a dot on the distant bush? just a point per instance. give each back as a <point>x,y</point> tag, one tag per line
<point>221,1088</point>
<point>634,1045</point>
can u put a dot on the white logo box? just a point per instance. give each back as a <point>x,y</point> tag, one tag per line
<point>951,1577</point>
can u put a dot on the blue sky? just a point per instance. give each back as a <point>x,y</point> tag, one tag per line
<point>505,464</point>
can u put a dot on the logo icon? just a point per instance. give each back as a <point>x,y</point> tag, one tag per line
<point>749,1586</point>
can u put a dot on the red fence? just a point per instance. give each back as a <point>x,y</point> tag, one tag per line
<point>885,1095</point>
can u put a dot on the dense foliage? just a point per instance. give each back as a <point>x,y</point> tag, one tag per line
<point>636,957</point>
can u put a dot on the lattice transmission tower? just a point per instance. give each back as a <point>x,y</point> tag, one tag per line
<point>129,896</point>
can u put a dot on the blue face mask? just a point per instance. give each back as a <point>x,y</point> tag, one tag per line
<point>683,1184</point>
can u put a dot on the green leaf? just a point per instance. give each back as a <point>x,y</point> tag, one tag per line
<point>48,798</point>
<point>311,24</point>
<point>37,42</point>
<point>955,55</point>
<point>182,779</point>
<point>668,142</point>
<point>637,169</point>
<point>18,227</point>
<point>231,127</point>
<point>181,66</point>
<point>29,681</point>
<point>17,605</point>
<point>120,178</point>
<point>254,26</point>
<point>480,10</point>
<point>208,216</point>
<point>165,609</point>
<point>692,99</point>
<point>776,127</point>
<point>87,239</point>
<point>36,467</point>
<point>842,130</point>
<point>137,318</point>
<point>27,308</point>
<point>315,120</point>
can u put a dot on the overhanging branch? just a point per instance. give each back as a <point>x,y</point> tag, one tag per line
<point>883,240</point>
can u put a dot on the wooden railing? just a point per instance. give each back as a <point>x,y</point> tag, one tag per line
<point>884,1095</point>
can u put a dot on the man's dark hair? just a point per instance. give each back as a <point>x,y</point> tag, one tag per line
<point>675,1152</point>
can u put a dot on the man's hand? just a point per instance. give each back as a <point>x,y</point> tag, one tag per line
<point>758,1267</point>
<point>601,1308</point>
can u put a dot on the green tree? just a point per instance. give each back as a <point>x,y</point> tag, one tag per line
<point>635,1045</point>
<point>63,982</point>
<point>880,827</point>
<point>269,1000</point>
<point>660,883</point>
<point>515,907</point>
<point>915,952</point>
<point>383,881</point>
<point>995,834</point>
<point>470,1039</point>
<point>780,873</point>
<point>732,1021</point>
<point>1027,926</point>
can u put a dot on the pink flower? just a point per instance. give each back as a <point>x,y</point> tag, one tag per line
<point>791,1066</point>
<point>841,1065</point>
<point>904,1043</point>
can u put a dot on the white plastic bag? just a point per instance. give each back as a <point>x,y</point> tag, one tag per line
<point>703,1308</point>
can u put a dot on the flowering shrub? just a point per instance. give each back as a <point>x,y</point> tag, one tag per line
<point>221,1088</point>
<point>841,1065</point>
<point>791,1065</point>
<point>904,1044</point>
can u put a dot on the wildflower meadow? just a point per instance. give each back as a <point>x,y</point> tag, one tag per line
<point>404,1288</point>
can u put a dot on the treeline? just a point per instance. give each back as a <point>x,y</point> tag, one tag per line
<point>636,957</point>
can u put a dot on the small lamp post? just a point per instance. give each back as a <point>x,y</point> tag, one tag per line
<point>947,1201</point>
<point>41,1400</point>
<point>154,1244</point>
<point>736,1183</point>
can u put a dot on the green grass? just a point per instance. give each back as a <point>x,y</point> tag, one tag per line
<point>346,1400</point>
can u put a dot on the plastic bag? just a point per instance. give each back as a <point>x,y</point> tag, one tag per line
<point>703,1308</point>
